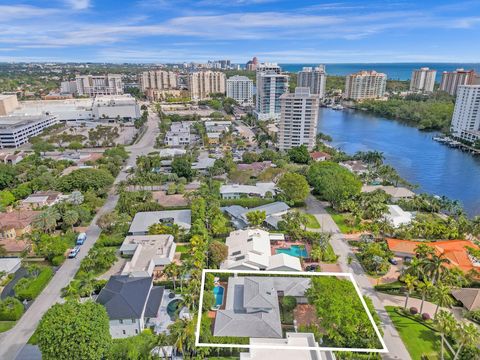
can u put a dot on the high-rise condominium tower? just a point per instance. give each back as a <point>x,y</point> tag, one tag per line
<point>423,79</point>
<point>365,85</point>
<point>298,120</point>
<point>271,84</point>
<point>313,78</point>
<point>92,85</point>
<point>202,84</point>
<point>158,80</point>
<point>451,80</point>
<point>466,116</point>
<point>240,88</point>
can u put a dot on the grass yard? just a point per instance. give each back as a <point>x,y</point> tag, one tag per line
<point>6,325</point>
<point>312,222</point>
<point>182,248</point>
<point>340,221</point>
<point>419,339</point>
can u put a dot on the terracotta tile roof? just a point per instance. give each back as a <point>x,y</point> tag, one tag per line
<point>319,154</point>
<point>14,246</point>
<point>17,219</point>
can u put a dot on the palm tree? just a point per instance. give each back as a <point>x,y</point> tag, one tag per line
<point>172,270</point>
<point>410,282</point>
<point>425,288</point>
<point>441,295</point>
<point>434,265</point>
<point>70,218</point>
<point>444,323</point>
<point>76,197</point>
<point>71,290</point>
<point>182,333</point>
<point>47,220</point>
<point>161,342</point>
<point>467,334</point>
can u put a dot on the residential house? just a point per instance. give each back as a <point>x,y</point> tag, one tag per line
<point>143,220</point>
<point>250,250</point>
<point>252,305</point>
<point>16,223</point>
<point>469,297</point>
<point>236,191</point>
<point>40,199</point>
<point>256,167</point>
<point>396,216</point>
<point>132,304</point>
<point>397,193</point>
<point>149,254</point>
<point>10,265</point>
<point>273,211</point>
<point>179,134</point>
<point>170,153</point>
<point>356,166</point>
<point>12,159</point>
<point>320,156</point>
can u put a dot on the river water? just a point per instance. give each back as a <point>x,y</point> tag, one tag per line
<point>435,168</point>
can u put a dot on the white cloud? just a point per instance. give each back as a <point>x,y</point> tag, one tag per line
<point>79,4</point>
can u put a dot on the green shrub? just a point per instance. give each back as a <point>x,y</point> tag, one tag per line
<point>58,260</point>
<point>29,289</point>
<point>109,240</point>
<point>11,309</point>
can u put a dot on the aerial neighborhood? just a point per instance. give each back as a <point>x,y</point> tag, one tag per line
<point>121,184</point>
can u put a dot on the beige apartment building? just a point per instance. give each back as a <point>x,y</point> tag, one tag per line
<point>158,80</point>
<point>202,84</point>
<point>298,119</point>
<point>423,79</point>
<point>8,103</point>
<point>93,85</point>
<point>365,85</point>
<point>451,80</point>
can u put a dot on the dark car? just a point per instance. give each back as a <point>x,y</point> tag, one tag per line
<point>312,267</point>
<point>393,261</point>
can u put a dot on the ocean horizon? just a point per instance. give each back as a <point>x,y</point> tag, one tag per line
<point>394,71</point>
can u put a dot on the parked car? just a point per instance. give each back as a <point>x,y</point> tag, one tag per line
<point>312,267</point>
<point>393,261</point>
<point>74,252</point>
<point>81,238</point>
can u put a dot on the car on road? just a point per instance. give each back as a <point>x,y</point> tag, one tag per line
<point>312,267</point>
<point>81,238</point>
<point>393,261</point>
<point>74,252</point>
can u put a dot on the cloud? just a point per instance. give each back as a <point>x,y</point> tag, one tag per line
<point>15,12</point>
<point>79,4</point>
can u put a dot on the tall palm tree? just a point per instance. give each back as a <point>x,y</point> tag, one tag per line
<point>441,295</point>
<point>182,333</point>
<point>47,219</point>
<point>444,323</point>
<point>425,287</point>
<point>434,265</point>
<point>70,218</point>
<point>410,282</point>
<point>172,271</point>
<point>467,334</point>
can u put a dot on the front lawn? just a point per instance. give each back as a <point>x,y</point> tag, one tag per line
<point>182,248</point>
<point>312,222</point>
<point>340,221</point>
<point>418,338</point>
<point>6,325</point>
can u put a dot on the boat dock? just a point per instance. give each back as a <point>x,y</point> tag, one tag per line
<point>456,144</point>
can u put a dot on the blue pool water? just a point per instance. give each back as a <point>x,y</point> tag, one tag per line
<point>218,292</point>
<point>294,250</point>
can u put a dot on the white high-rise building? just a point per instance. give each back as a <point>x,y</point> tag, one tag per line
<point>93,85</point>
<point>240,88</point>
<point>314,78</point>
<point>202,84</point>
<point>423,79</point>
<point>466,116</point>
<point>271,84</point>
<point>298,120</point>
<point>365,85</point>
<point>451,80</point>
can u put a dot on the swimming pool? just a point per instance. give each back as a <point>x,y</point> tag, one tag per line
<point>218,292</point>
<point>173,308</point>
<point>294,250</point>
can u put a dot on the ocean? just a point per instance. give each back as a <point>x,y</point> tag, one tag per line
<point>394,71</point>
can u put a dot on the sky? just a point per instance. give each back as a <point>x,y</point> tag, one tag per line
<point>283,31</point>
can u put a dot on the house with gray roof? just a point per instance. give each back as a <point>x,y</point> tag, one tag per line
<point>252,305</point>
<point>143,220</point>
<point>274,212</point>
<point>132,303</point>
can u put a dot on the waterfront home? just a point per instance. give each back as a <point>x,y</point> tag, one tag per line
<point>132,304</point>
<point>251,250</point>
<point>252,305</point>
<point>396,216</point>
<point>143,220</point>
<point>149,254</point>
<point>355,166</point>
<point>16,223</point>
<point>236,191</point>
<point>320,156</point>
<point>274,212</point>
<point>397,193</point>
<point>456,251</point>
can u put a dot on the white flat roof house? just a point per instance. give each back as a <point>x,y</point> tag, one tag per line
<point>397,216</point>
<point>274,212</point>
<point>179,134</point>
<point>10,265</point>
<point>250,250</point>
<point>143,220</point>
<point>170,153</point>
<point>150,254</point>
<point>235,191</point>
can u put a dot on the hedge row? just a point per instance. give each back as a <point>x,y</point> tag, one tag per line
<point>246,202</point>
<point>11,309</point>
<point>31,288</point>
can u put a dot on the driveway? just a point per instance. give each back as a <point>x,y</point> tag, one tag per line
<point>395,346</point>
<point>12,341</point>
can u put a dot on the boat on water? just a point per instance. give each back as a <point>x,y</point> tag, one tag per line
<point>337,107</point>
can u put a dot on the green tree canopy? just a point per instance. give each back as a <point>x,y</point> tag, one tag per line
<point>299,154</point>
<point>256,217</point>
<point>294,187</point>
<point>182,166</point>
<point>85,179</point>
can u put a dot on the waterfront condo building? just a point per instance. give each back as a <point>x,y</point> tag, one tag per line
<point>313,78</point>
<point>365,85</point>
<point>240,88</point>
<point>451,80</point>
<point>202,84</point>
<point>93,85</point>
<point>466,116</point>
<point>271,84</point>
<point>298,120</point>
<point>423,79</point>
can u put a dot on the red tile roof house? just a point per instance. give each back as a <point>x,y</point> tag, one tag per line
<point>13,226</point>
<point>454,250</point>
<point>320,156</point>
<point>42,198</point>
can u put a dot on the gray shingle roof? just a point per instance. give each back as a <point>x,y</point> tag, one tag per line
<point>154,301</point>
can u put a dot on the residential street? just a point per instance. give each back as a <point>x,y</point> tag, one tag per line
<point>12,341</point>
<point>397,349</point>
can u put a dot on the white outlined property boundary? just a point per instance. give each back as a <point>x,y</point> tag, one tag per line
<point>276,347</point>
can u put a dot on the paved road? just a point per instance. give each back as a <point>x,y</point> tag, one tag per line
<point>391,337</point>
<point>12,341</point>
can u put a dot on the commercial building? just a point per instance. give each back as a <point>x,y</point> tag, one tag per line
<point>313,78</point>
<point>68,87</point>
<point>466,115</point>
<point>271,84</point>
<point>423,79</point>
<point>16,130</point>
<point>240,88</point>
<point>365,85</point>
<point>115,107</point>
<point>298,119</point>
<point>451,80</point>
<point>202,84</point>
<point>179,134</point>
<point>8,103</point>
<point>93,85</point>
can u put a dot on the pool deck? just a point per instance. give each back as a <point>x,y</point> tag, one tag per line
<point>163,321</point>
<point>287,244</point>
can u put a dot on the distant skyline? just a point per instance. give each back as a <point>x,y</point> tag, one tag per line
<point>164,31</point>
